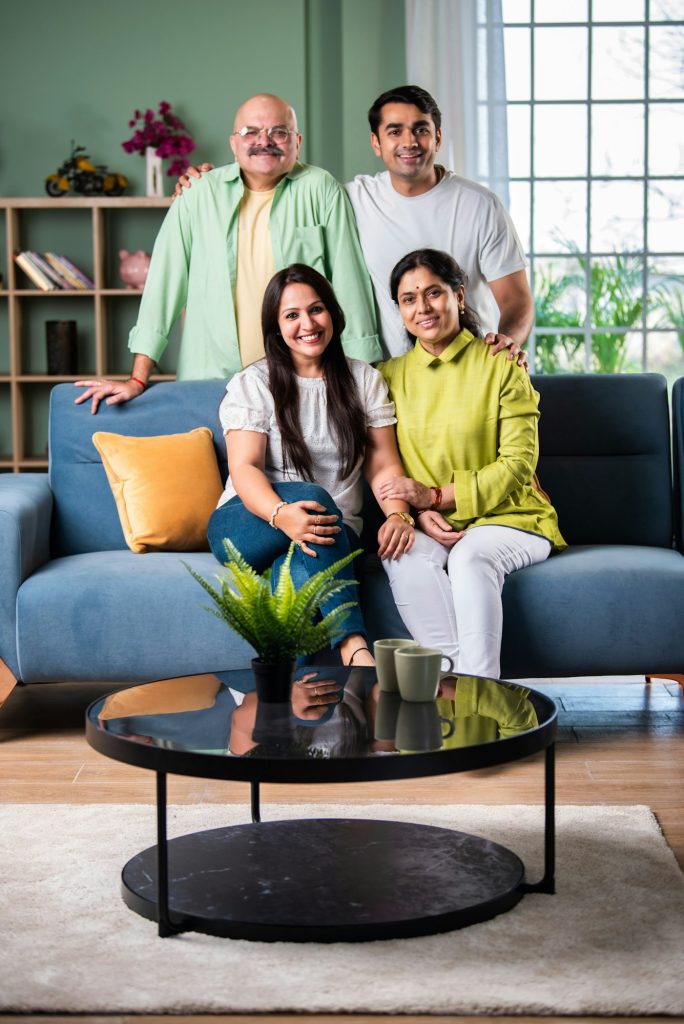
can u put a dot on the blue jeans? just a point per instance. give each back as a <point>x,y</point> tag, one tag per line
<point>262,546</point>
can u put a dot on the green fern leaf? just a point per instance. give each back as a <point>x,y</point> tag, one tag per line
<point>280,623</point>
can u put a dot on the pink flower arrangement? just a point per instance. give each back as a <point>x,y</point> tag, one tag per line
<point>165,132</point>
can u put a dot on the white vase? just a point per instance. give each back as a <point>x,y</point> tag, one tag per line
<point>154,185</point>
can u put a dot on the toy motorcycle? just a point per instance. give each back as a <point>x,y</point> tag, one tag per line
<point>80,174</point>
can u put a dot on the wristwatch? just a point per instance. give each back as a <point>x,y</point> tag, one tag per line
<point>403,515</point>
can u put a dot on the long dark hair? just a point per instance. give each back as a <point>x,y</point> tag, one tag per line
<point>346,418</point>
<point>447,270</point>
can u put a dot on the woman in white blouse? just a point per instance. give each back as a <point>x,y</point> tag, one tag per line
<point>301,427</point>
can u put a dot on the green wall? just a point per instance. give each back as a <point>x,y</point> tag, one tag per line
<point>79,68</point>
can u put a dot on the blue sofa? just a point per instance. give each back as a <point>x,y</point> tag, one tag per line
<point>76,604</point>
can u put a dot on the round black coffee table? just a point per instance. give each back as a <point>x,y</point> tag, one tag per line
<point>323,880</point>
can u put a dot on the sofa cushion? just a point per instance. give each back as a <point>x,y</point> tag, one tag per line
<point>595,610</point>
<point>165,487</point>
<point>85,516</point>
<point>604,456</point>
<point>117,616</point>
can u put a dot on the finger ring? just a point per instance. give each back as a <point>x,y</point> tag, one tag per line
<point>318,519</point>
<point>315,531</point>
<point>315,691</point>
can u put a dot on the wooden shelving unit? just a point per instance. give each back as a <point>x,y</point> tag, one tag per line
<point>18,381</point>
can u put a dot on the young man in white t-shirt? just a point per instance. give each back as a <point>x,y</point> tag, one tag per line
<point>416,204</point>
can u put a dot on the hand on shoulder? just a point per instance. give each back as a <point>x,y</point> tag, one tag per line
<point>184,181</point>
<point>504,343</point>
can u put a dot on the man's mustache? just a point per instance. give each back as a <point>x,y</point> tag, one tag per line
<point>268,150</point>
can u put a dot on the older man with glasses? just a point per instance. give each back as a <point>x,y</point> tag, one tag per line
<point>224,239</point>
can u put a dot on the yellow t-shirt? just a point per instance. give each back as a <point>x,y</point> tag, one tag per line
<point>255,268</point>
<point>469,419</point>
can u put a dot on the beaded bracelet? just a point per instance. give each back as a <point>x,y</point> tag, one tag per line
<point>275,512</point>
<point>137,380</point>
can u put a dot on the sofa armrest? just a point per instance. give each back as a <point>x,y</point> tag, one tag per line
<point>678,461</point>
<point>25,516</point>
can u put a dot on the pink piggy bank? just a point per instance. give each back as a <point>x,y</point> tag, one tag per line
<point>133,268</point>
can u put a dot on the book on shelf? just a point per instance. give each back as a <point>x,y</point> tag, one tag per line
<point>34,273</point>
<point>80,274</point>
<point>42,264</point>
<point>75,277</point>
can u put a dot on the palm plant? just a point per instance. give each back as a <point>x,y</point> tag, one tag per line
<point>615,301</point>
<point>279,623</point>
<point>669,302</point>
<point>549,293</point>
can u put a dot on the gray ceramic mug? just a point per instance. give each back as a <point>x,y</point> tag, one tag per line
<point>384,662</point>
<point>419,670</point>
<point>420,727</point>
<point>386,713</point>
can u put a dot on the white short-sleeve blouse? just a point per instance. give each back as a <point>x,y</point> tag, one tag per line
<point>248,405</point>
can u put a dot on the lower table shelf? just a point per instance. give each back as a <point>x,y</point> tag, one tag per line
<point>327,880</point>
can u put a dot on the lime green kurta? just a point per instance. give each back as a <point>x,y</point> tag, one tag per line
<point>483,711</point>
<point>471,419</point>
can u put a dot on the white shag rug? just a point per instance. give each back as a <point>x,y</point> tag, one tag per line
<point>610,942</point>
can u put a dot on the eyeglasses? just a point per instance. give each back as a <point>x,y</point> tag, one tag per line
<point>279,133</point>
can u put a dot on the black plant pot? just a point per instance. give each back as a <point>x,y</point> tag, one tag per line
<point>273,682</point>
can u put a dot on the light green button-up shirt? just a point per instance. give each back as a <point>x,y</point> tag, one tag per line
<point>194,265</point>
<point>470,419</point>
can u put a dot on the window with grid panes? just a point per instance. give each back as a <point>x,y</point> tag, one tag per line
<point>595,94</point>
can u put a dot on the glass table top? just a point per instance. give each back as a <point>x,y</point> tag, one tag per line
<point>335,714</point>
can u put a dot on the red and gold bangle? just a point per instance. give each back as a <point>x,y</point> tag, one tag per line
<point>434,507</point>
<point>137,380</point>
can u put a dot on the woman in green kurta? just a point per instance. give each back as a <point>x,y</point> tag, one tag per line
<point>468,439</point>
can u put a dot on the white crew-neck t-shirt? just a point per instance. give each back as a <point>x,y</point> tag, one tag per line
<point>248,405</point>
<point>457,216</point>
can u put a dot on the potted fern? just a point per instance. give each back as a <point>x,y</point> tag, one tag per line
<point>279,623</point>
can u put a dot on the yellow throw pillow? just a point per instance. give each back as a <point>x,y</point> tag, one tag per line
<point>165,487</point>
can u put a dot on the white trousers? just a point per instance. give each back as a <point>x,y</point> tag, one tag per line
<point>450,598</point>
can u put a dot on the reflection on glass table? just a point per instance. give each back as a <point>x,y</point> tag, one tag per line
<point>333,713</point>
<point>473,710</point>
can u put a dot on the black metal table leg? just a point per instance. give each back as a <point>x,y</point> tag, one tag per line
<point>166,926</point>
<point>254,792</point>
<point>547,883</point>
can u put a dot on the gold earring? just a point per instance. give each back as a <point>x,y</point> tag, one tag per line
<point>461,308</point>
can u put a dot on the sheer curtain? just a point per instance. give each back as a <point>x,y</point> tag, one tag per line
<point>455,50</point>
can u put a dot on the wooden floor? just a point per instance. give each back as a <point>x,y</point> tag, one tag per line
<point>620,742</point>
